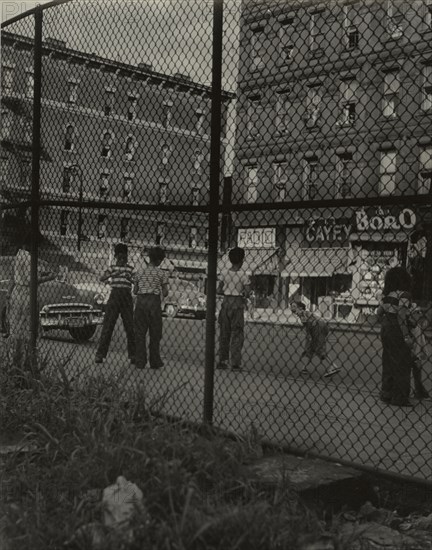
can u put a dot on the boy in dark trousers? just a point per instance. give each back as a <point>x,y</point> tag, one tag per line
<point>235,285</point>
<point>120,277</point>
<point>316,337</point>
<point>151,284</point>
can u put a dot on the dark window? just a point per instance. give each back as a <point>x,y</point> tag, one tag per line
<point>106,145</point>
<point>101,226</point>
<point>68,174</point>
<point>124,228</point>
<point>109,102</point>
<point>64,222</point>
<point>160,233</point>
<point>69,138</point>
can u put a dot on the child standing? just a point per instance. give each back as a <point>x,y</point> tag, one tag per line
<point>120,277</point>
<point>397,342</point>
<point>234,284</point>
<point>316,337</point>
<point>151,283</point>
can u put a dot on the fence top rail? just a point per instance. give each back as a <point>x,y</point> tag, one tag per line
<point>32,11</point>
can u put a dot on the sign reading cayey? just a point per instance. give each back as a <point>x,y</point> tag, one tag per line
<point>324,231</point>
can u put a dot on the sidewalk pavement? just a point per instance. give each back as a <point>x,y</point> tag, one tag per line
<point>281,316</point>
<point>301,414</point>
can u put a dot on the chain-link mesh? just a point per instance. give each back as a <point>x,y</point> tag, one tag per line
<point>325,180</point>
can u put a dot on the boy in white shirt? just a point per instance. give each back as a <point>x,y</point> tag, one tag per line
<point>235,286</point>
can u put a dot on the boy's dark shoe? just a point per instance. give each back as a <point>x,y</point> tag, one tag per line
<point>236,368</point>
<point>156,367</point>
<point>386,400</point>
<point>421,394</point>
<point>139,365</point>
<point>406,403</point>
<point>222,365</point>
<point>99,360</point>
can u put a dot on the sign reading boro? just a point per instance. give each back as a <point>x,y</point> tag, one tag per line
<point>257,237</point>
<point>384,220</point>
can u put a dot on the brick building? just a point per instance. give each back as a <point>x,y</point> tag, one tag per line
<point>111,132</point>
<point>335,101</point>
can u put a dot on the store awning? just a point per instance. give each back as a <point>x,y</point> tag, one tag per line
<point>377,237</point>
<point>316,262</point>
<point>256,262</point>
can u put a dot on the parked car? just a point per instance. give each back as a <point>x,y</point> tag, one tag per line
<point>184,299</point>
<point>62,306</point>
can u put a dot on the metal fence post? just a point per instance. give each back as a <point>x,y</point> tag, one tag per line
<point>214,209</point>
<point>35,196</point>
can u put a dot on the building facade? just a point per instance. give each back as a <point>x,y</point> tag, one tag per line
<point>335,102</point>
<point>109,132</point>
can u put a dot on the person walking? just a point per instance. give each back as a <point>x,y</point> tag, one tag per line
<point>317,331</point>
<point>151,284</point>
<point>120,277</point>
<point>235,285</point>
<point>18,303</point>
<point>397,342</point>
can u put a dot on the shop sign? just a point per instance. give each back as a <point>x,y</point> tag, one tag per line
<point>383,220</point>
<point>257,237</point>
<point>323,230</point>
<point>369,266</point>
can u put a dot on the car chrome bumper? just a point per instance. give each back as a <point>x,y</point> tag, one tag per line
<point>74,320</point>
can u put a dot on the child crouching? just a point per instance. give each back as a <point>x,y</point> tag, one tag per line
<point>316,337</point>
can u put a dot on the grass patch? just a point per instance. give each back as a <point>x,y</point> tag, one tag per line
<point>84,436</point>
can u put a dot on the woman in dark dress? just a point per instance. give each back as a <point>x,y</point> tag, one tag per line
<point>397,359</point>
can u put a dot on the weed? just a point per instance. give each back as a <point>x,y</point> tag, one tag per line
<point>83,436</point>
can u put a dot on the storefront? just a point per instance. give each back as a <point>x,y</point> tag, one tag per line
<point>319,267</point>
<point>379,241</point>
<point>341,264</point>
<point>317,272</point>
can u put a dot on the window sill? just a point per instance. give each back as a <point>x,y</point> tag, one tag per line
<point>315,54</point>
<point>345,125</point>
<point>256,69</point>
<point>423,113</point>
<point>350,52</point>
<point>391,38</point>
<point>393,118</point>
<point>285,63</point>
<point>312,129</point>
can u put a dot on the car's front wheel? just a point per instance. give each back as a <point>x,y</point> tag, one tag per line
<point>82,334</point>
<point>4,323</point>
<point>200,315</point>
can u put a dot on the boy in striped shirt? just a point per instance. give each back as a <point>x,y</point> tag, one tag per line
<point>151,284</point>
<point>120,276</point>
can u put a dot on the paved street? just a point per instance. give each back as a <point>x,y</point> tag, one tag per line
<point>339,417</point>
<point>269,348</point>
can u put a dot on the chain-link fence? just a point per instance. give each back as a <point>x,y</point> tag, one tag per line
<point>297,131</point>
